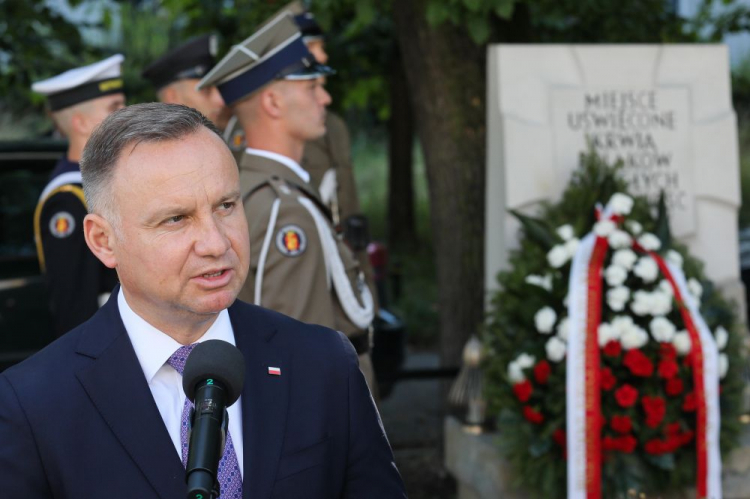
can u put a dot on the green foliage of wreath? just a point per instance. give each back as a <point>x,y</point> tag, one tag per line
<point>536,451</point>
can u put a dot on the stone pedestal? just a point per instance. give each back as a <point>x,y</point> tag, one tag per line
<point>482,473</point>
<point>664,110</point>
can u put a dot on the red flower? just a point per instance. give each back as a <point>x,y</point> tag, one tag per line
<point>672,429</point>
<point>667,351</point>
<point>673,387</point>
<point>532,415</point>
<point>668,369</point>
<point>621,424</point>
<point>655,409</point>
<point>608,379</point>
<point>638,363</point>
<point>689,404</point>
<point>613,348</point>
<point>626,395</point>
<point>523,390</point>
<point>627,443</point>
<point>559,437</point>
<point>542,371</point>
<point>654,446</point>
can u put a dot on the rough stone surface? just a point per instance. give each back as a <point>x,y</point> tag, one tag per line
<point>666,110</point>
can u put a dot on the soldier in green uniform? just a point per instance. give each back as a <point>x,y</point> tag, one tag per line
<point>299,266</point>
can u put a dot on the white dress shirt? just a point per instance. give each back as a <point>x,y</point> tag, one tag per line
<point>288,162</point>
<point>153,348</point>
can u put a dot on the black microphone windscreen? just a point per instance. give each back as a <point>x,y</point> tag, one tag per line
<point>218,360</point>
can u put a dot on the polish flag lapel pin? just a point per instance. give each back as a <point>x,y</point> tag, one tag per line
<point>274,371</point>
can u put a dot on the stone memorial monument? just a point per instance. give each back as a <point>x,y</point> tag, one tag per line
<point>665,110</point>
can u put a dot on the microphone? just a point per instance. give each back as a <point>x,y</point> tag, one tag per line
<point>212,379</point>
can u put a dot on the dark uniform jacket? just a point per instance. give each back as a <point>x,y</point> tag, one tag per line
<point>78,420</point>
<point>75,277</point>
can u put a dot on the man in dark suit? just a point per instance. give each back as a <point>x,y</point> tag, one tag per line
<point>98,412</point>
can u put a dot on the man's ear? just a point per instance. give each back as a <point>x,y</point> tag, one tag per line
<point>100,238</point>
<point>169,95</point>
<point>79,124</point>
<point>272,100</point>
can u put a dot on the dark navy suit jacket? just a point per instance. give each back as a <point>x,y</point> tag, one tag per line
<point>77,420</point>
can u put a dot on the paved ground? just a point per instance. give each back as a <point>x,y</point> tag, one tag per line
<point>413,418</point>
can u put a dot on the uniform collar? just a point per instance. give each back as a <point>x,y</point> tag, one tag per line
<point>153,347</point>
<point>64,165</point>
<point>284,160</point>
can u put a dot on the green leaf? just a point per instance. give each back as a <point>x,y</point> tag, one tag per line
<point>479,28</point>
<point>664,461</point>
<point>662,223</point>
<point>537,230</point>
<point>504,8</point>
<point>437,13</point>
<point>473,5</point>
<point>540,446</point>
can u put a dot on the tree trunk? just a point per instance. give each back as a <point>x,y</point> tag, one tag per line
<point>446,75</point>
<point>401,225</point>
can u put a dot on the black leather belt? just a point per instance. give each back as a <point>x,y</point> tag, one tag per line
<point>361,343</point>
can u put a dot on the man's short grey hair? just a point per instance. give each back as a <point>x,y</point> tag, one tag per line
<point>130,126</point>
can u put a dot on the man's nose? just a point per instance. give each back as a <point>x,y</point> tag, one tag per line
<point>211,239</point>
<point>324,97</point>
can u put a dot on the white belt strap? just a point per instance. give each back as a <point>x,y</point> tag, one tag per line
<point>327,187</point>
<point>264,250</point>
<point>360,315</point>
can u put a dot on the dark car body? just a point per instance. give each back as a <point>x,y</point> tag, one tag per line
<point>25,322</point>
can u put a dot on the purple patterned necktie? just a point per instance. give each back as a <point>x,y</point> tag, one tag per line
<point>229,475</point>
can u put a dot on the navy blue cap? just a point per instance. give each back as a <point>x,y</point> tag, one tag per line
<point>192,59</point>
<point>275,52</point>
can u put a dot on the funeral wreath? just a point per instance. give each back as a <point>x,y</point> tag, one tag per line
<point>649,386</point>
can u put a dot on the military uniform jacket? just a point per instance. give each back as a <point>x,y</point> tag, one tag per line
<point>333,152</point>
<point>290,269</point>
<point>75,277</point>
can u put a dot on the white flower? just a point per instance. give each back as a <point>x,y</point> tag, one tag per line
<point>603,228</point>
<point>641,304</point>
<point>634,227</point>
<point>571,247</point>
<point>721,336</point>
<point>515,372</point>
<point>723,365</point>
<point>556,349</point>
<point>635,337</point>
<point>621,325</point>
<point>695,288</point>
<point>620,239</point>
<point>525,360</point>
<point>544,320</point>
<point>562,329</point>
<point>606,333</point>
<point>624,258</point>
<point>674,258</point>
<point>617,298</point>
<point>646,269</point>
<point>665,287</point>
<point>615,275</point>
<point>661,303</point>
<point>620,203</point>
<point>649,242</point>
<point>565,232</point>
<point>558,256</point>
<point>537,280</point>
<point>662,330</point>
<point>682,343</point>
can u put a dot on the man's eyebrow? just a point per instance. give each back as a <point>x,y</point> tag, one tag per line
<point>230,196</point>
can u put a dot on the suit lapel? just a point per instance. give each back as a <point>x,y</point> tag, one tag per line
<point>117,387</point>
<point>265,400</point>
